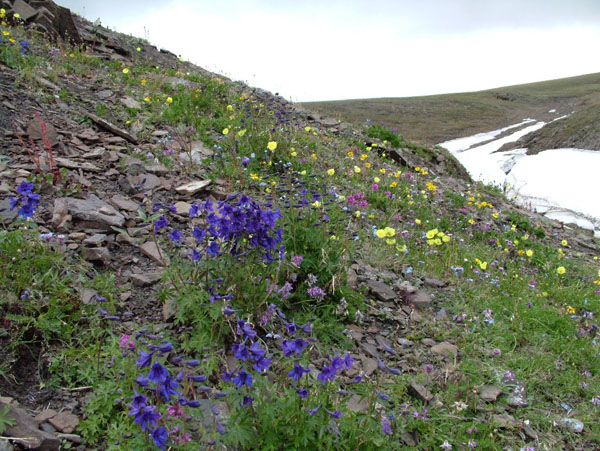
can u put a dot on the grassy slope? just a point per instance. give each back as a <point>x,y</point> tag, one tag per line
<point>433,119</point>
<point>508,307</point>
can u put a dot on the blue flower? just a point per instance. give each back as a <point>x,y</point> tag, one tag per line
<point>327,373</point>
<point>158,373</point>
<point>198,234</point>
<point>312,412</point>
<point>214,249</point>
<point>175,236</point>
<point>240,351</point>
<point>262,364</point>
<point>160,436</point>
<point>160,223</point>
<point>145,359</point>
<point>290,346</point>
<point>147,418</point>
<point>242,378</point>
<point>245,330</point>
<point>297,372</point>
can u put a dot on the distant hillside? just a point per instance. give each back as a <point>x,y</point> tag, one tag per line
<point>580,130</point>
<point>434,119</point>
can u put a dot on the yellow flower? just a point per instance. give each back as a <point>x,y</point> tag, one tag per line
<point>341,198</point>
<point>293,154</point>
<point>382,170</point>
<point>126,71</point>
<point>357,213</point>
<point>242,132</point>
<point>316,204</point>
<point>330,171</point>
<point>303,172</point>
<point>314,156</point>
<point>139,49</point>
<point>561,270</point>
<point>389,232</point>
<point>367,165</point>
<point>570,310</point>
<point>307,128</point>
<point>169,99</point>
<point>143,82</point>
<point>431,233</point>
<point>229,108</point>
<point>483,266</point>
<point>564,242</point>
<point>393,185</point>
<point>401,248</point>
<point>417,221</point>
<point>351,154</point>
<point>398,174</point>
<point>356,169</point>
<point>225,131</point>
<point>16,16</point>
<point>390,241</point>
<point>254,176</point>
<point>380,233</point>
<point>529,252</point>
<point>272,145</point>
<point>147,99</point>
<point>471,221</point>
<point>599,273</point>
<point>363,157</point>
<point>5,33</point>
<point>495,215</point>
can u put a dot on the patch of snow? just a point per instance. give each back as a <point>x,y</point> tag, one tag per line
<point>561,183</point>
<point>462,144</point>
<point>561,117</point>
<point>552,111</point>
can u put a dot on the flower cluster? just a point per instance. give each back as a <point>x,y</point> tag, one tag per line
<point>242,223</point>
<point>27,202</point>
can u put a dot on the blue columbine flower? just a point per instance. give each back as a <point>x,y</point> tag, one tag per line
<point>145,359</point>
<point>147,418</point>
<point>290,346</point>
<point>297,372</point>
<point>242,378</point>
<point>158,373</point>
<point>160,436</point>
<point>327,373</point>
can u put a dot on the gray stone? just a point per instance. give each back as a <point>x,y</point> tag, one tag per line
<point>37,129</point>
<point>96,254</point>
<point>518,394</point>
<point>358,403</point>
<point>192,187</point>
<point>369,365</point>
<point>435,283</point>
<point>130,102</point>
<point>405,343</point>
<point>93,212</point>
<point>490,393</point>
<point>26,432</point>
<point>504,420</point>
<point>88,295</point>
<point>94,153</point>
<point>418,391</point>
<point>5,445</point>
<point>146,279</point>
<point>71,164</point>
<point>6,215</point>
<point>150,250</point>
<point>45,415</point>
<point>445,349</point>
<point>65,422</point>
<point>112,128</point>
<point>157,169</point>
<point>421,299</point>
<point>24,10</point>
<point>123,203</point>
<point>381,290</point>
<point>74,438</point>
<point>182,208</point>
<point>94,240</point>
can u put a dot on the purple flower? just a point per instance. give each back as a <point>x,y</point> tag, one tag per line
<point>290,327</point>
<point>242,378</point>
<point>198,234</point>
<point>262,364</point>
<point>214,249</point>
<point>158,373</point>
<point>348,361</point>
<point>160,223</point>
<point>176,236</point>
<point>297,372</point>
<point>316,293</point>
<point>145,359</point>
<point>247,401</point>
<point>336,414</point>
<point>256,351</point>
<point>138,402</point>
<point>327,373</point>
<point>297,260</point>
<point>240,351</point>
<point>312,412</point>
<point>245,330</point>
<point>160,436</point>
<point>290,346</point>
<point>386,427</point>
<point>147,417</point>
<point>245,161</point>
<point>302,393</point>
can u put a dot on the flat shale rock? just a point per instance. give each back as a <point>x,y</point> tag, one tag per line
<point>27,432</point>
<point>381,290</point>
<point>192,187</point>
<point>93,212</point>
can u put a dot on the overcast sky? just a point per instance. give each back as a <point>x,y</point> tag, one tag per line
<point>327,50</point>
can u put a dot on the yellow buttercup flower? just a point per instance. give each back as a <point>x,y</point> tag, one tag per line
<point>564,242</point>
<point>367,165</point>
<point>561,270</point>
<point>356,169</point>
<point>351,154</point>
<point>363,157</point>
<point>143,82</point>
<point>529,252</point>
<point>225,131</point>
<point>147,99</point>
<point>431,233</point>
<point>272,145</point>
<point>570,310</point>
<point>229,107</point>
<point>16,15</point>
<point>307,128</point>
<point>376,179</point>
<point>316,204</point>
<point>331,171</point>
<point>357,213</point>
<point>126,71</point>
<point>242,132</point>
<point>169,99</point>
<point>417,221</point>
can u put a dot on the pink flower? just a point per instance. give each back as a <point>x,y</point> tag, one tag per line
<point>126,342</point>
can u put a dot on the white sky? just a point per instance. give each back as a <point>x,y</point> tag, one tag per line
<point>327,50</point>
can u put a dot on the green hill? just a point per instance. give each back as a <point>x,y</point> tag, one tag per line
<point>438,118</point>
